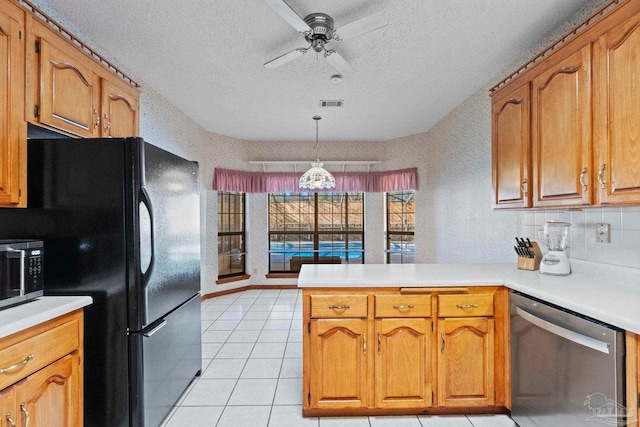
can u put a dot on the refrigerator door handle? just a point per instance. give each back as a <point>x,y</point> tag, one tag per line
<point>156,329</point>
<point>145,202</point>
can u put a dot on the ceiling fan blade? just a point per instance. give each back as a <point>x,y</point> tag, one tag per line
<point>336,61</point>
<point>289,15</point>
<point>361,26</point>
<point>287,57</point>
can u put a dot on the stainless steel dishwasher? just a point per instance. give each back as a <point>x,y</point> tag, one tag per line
<point>567,369</point>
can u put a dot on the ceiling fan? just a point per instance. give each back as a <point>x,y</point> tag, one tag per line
<point>317,29</point>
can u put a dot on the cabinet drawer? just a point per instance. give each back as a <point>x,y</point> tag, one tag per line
<point>25,357</point>
<point>403,305</point>
<point>467,305</point>
<point>328,306</point>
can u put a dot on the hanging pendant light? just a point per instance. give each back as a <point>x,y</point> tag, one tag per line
<point>317,178</point>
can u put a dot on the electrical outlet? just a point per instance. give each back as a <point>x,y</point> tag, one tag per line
<point>255,270</point>
<point>603,234</point>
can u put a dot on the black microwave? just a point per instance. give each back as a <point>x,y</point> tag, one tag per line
<point>21,274</point>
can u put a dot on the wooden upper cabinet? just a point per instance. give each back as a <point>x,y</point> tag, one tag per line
<point>120,110</point>
<point>12,125</point>
<point>511,148</point>
<point>70,92</point>
<point>617,118</point>
<point>403,363</point>
<point>561,132</point>
<point>67,89</point>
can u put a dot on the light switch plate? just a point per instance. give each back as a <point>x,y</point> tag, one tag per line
<point>603,234</point>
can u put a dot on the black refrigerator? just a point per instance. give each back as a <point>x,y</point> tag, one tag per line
<point>120,220</point>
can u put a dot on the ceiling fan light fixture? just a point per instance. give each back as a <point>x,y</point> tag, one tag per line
<point>317,178</point>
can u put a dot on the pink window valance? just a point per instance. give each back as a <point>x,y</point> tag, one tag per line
<point>281,182</point>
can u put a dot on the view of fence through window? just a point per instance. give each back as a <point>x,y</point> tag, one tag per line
<point>315,228</point>
<point>400,228</point>
<point>231,234</point>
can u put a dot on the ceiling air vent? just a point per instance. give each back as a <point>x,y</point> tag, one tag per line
<point>331,102</point>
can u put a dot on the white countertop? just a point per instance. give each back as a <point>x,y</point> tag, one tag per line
<point>607,293</point>
<point>24,316</point>
<point>403,275</point>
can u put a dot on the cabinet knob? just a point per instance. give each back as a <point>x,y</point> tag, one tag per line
<point>524,187</point>
<point>582,177</point>
<point>17,365</point>
<point>97,122</point>
<point>10,420</point>
<point>601,177</point>
<point>467,306</point>
<point>23,408</point>
<point>108,126</point>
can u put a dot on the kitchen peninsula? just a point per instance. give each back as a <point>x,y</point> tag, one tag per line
<point>367,327</point>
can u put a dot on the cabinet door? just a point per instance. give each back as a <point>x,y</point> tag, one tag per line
<point>561,132</point>
<point>403,363</point>
<point>465,362</point>
<point>617,122</point>
<point>50,397</point>
<point>511,148</point>
<point>68,90</point>
<point>8,407</point>
<point>120,110</point>
<point>338,368</point>
<point>12,127</point>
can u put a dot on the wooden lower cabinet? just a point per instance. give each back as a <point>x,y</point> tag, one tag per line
<point>465,362</point>
<point>402,361</point>
<point>377,351</point>
<point>42,385</point>
<point>338,363</point>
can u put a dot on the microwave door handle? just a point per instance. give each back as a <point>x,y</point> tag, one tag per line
<point>570,335</point>
<point>17,253</point>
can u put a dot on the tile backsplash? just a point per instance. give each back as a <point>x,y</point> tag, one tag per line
<point>624,226</point>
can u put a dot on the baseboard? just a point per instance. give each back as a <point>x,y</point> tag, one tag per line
<point>245,288</point>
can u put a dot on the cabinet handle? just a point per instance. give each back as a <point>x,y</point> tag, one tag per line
<point>10,420</point>
<point>108,126</point>
<point>338,307</point>
<point>364,343</point>
<point>467,306</point>
<point>600,177</point>
<point>403,307</point>
<point>23,408</point>
<point>379,343</point>
<point>17,365</point>
<point>442,338</point>
<point>582,176</point>
<point>524,187</point>
<point>97,122</point>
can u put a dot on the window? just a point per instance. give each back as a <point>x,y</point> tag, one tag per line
<point>231,234</point>
<point>400,228</point>
<point>313,228</point>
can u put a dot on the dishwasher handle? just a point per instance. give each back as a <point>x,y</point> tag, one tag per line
<point>570,335</point>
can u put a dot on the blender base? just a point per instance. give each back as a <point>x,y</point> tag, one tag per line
<point>555,263</point>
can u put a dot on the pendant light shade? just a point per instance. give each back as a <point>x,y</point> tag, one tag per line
<point>317,178</point>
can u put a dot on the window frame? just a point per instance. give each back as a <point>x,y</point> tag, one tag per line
<point>315,232</point>
<point>242,233</point>
<point>404,232</point>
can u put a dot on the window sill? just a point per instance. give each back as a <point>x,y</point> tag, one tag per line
<point>232,279</point>
<point>282,276</point>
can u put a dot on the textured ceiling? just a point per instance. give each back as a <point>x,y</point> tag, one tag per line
<point>206,57</point>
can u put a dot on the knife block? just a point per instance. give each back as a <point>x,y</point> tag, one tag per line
<point>525,263</point>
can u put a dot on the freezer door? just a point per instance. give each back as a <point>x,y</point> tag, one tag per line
<point>167,213</point>
<point>166,357</point>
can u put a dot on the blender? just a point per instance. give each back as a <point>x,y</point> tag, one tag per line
<point>556,262</point>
